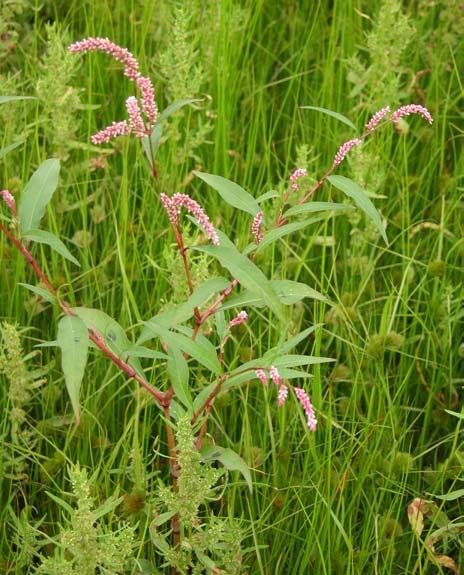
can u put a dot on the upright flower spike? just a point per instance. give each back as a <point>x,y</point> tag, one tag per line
<point>376,118</point>
<point>173,206</point>
<point>9,201</point>
<point>296,175</point>
<point>255,227</point>
<point>261,375</point>
<point>308,408</point>
<point>147,93</point>
<point>412,109</point>
<point>344,149</point>
<point>241,318</point>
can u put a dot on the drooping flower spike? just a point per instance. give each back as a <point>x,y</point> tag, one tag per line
<point>136,125</point>
<point>241,318</point>
<point>412,109</point>
<point>261,375</point>
<point>255,228</point>
<point>307,406</point>
<point>173,206</point>
<point>377,118</point>
<point>296,175</point>
<point>344,149</point>
<point>9,201</point>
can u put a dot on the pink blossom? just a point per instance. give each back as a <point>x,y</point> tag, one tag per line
<point>131,66</point>
<point>308,408</point>
<point>412,109</point>
<point>296,175</point>
<point>113,131</point>
<point>257,220</point>
<point>9,201</point>
<point>344,149</point>
<point>241,318</point>
<point>135,117</point>
<point>173,206</point>
<point>261,374</point>
<point>147,94</point>
<point>376,118</point>
<point>275,375</point>
<point>283,392</point>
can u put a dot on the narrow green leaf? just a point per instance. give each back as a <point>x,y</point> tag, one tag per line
<point>451,496</point>
<point>145,352</point>
<point>107,506</point>
<point>282,231</point>
<point>267,196</point>
<point>53,343</point>
<point>44,237</point>
<point>178,372</point>
<point>162,518</point>
<point>287,346</point>
<point>72,339</point>
<point>313,207</point>
<point>336,115</point>
<point>246,272</point>
<point>174,107</point>
<point>203,395</point>
<point>231,193</point>
<point>4,99</point>
<point>37,193</point>
<point>352,190</point>
<point>152,143</point>
<point>113,334</point>
<point>231,461</point>
<point>4,151</point>
<point>61,503</point>
<point>43,293</point>
<point>455,414</point>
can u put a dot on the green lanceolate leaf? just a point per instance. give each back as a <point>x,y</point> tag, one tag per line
<point>44,237</point>
<point>43,293</point>
<point>231,193</point>
<point>145,352</point>
<point>313,207</point>
<point>4,99</point>
<point>282,231</point>
<point>178,372</point>
<point>356,193</point>
<point>152,143</point>
<point>174,107</point>
<point>4,151</point>
<point>246,272</point>
<point>37,193</point>
<point>336,115</point>
<point>72,339</point>
<point>231,461</point>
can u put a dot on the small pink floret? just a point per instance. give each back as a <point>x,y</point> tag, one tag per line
<point>113,131</point>
<point>261,374</point>
<point>147,93</point>
<point>412,109</point>
<point>255,227</point>
<point>308,408</point>
<point>135,117</point>
<point>344,149</point>
<point>241,318</point>
<point>9,200</point>
<point>376,118</point>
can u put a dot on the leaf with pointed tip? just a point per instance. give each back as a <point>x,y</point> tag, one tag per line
<point>336,115</point>
<point>152,142</point>
<point>37,193</point>
<point>356,193</point>
<point>44,237</point>
<point>282,231</point>
<point>231,461</point>
<point>231,193</point>
<point>313,207</point>
<point>174,107</point>
<point>4,99</point>
<point>4,151</point>
<point>43,293</point>
<point>72,339</point>
<point>178,372</point>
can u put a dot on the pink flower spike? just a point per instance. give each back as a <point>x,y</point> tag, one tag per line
<point>131,66</point>
<point>116,129</point>
<point>275,375</point>
<point>376,118</point>
<point>257,220</point>
<point>344,149</point>
<point>135,117</point>
<point>9,201</point>
<point>261,374</point>
<point>241,318</point>
<point>147,93</point>
<point>412,109</point>
<point>308,408</point>
<point>283,392</point>
<point>178,201</point>
<point>296,175</point>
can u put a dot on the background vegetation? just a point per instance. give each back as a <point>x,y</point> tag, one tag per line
<point>332,502</point>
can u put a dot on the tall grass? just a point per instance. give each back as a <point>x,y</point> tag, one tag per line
<point>335,502</point>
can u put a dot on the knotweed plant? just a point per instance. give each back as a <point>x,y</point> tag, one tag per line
<point>195,333</point>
